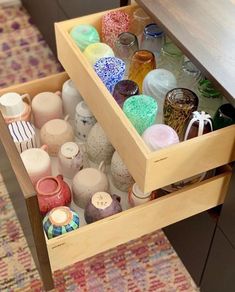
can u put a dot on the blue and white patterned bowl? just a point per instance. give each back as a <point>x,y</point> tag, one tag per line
<point>60,220</point>
<point>111,70</point>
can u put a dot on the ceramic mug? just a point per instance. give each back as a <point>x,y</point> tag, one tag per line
<point>121,177</point>
<point>52,192</point>
<point>37,163</point>
<point>23,135</point>
<point>15,107</point>
<point>84,121</point>
<point>46,106</point>
<point>98,146</point>
<point>55,133</point>
<point>87,182</point>
<point>137,197</point>
<point>70,98</point>
<point>70,159</point>
<point>60,220</point>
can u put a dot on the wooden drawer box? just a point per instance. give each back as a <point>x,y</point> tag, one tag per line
<point>151,170</point>
<point>130,224</point>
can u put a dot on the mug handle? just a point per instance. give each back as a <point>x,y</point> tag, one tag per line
<point>44,147</point>
<point>58,93</point>
<point>102,166</point>
<point>66,118</point>
<point>26,98</point>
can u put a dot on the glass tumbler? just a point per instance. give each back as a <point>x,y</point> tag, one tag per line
<point>138,22</point>
<point>179,104</point>
<point>112,24</point>
<point>111,70</point>
<point>125,46</point>
<point>153,39</point>
<point>141,110</point>
<point>209,97</point>
<point>171,58</point>
<point>189,76</point>
<point>142,63</point>
<point>124,89</point>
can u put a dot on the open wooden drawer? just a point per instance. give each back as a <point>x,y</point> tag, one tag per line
<point>127,225</point>
<point>151,170</point>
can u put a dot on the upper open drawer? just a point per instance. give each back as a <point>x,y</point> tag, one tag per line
<point>151,170</point>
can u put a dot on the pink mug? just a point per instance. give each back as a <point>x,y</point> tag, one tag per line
<point>47,106</point>
<point>52,192</point>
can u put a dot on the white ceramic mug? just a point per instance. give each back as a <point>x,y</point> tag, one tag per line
<point>87,182</point>
<point>23,135</point>
<point>46,106</point>
<point>70,98</point>
<point>98,146</point>
<point>37,163</point>
<point>15,107</point>
<point>121,177</point>
<point>55,133</point>
<point>70,159</point>
<point>84,121</point>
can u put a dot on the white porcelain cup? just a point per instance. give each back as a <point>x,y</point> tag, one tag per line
<point>70,98</point>
<point>23,135</point>
<point>70,159</point>
<point>87,182</point>
<point>46,106</point>
<point>55,133</point>
<point>84,121</point>
<point>37,163</point>
<point>12,104</point>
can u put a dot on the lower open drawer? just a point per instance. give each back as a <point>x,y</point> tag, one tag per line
<point>135,222</point>
<point>127,225</point>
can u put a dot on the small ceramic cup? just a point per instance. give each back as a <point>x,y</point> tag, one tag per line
<point>52,192</point>
<point>102,205</point>
<point>60,220</point>
<point>87,182</point>
<point>84,121</point>
<point>121,177</point>
<point>137,197</point>
<point>15,107</point>
<point>70,98</point>
<point>23,135</point>
<point>98,146</point>
<point>70,159</point>
<point>46,106</point>
<point>55,133</point>
<point>37,163</point>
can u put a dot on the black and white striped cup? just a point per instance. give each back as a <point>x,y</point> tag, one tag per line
<point>23,134</point>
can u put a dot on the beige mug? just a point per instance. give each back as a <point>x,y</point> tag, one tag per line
<point>87,182</point>
<point>55,133</point>
<point>47,106</point>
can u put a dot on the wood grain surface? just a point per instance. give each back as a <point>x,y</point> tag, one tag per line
<point>204,30</point>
